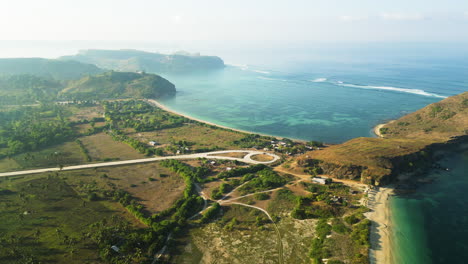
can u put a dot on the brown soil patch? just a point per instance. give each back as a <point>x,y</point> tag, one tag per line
<point>262,157</point>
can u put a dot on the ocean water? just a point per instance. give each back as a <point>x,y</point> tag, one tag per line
<point>330,102</point>
<point>431,225</point>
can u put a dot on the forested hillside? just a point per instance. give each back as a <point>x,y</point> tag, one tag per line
<point>111,85</point>
<point>47,68</point>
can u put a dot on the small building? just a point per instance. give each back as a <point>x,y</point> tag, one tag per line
<point>228,168</point>
<point>212,162</point>
<point>153,143</point>
<point>321,180</point>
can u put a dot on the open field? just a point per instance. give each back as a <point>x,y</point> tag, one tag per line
<point>262,157</point>
<point>101,147</point>
<point>85,113</point>
<point>202,136</point>
<point>251,239</point>
<point>156,187</point>
<point>67,153</point>
<point>44,219</point>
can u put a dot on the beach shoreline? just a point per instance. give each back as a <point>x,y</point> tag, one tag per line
<point>381,228</point>
<point>379,126</point>
<point>165,108</point>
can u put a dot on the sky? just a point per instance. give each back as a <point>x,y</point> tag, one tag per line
<point>243,21</point>
<point>229,28</point>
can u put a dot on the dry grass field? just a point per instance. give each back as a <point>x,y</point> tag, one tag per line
<point>101,146</point>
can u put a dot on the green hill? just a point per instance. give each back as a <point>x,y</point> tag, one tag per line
<point>47,68</point>
<point>134,60</point>
<point>113,85</point>
<point>27,89</point>
<point>407,145</point>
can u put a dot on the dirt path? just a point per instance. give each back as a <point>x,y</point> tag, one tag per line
<point>280,242</point>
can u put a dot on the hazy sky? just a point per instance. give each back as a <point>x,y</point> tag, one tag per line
<point>242,21</point>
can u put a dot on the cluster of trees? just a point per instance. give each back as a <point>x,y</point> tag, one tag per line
<point>358,234</point>
<point>266,179</point>
<point>306,206</point>
<point>29,128</point>
<point>224,188</point>
<point>83,150</point>
<point>254,141</point>
<point>140,116</point>
<point>27,89</point>
<point>241,171</point>
<point>210,213</point>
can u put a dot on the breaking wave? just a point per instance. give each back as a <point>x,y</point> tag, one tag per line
<point>318,80</point>
<point>389,88</point>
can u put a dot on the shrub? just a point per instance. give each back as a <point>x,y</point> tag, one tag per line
<point>261,196</point>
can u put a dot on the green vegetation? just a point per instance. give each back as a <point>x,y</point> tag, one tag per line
<point>84,151</point>
<point>224,188</point>
<point>112,85</point>
<point>30,128</point>
<point>210,213</point>
<point>141,117</point>
<point>261,196</point>
<point>265,179</point>
<point>47,68</point>
<point>134,60</point>
<point>241,171</point>
<point>27,89</point>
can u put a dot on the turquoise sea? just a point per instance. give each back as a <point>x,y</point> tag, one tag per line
<point>431,225</point>
<point>330,103</point>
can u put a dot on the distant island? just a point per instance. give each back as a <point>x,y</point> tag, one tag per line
<point>135,60</point>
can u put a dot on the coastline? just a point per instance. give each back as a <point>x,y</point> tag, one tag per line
<point>381,229</point>
<point>165,108</point>
<point>379,126</point>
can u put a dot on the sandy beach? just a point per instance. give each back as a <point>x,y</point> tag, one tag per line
<point>377,129</point>
<point>380,237</point>
<point>379,126</point>
<point>163,107</point>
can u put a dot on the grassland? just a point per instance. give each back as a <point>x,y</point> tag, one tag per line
<point>102,147</point>
<point>67,153</point>
<point>44,219</point>
<point>199,136</point>
<point>262,157</point>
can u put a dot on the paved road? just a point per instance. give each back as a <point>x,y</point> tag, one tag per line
<point>208,155</point>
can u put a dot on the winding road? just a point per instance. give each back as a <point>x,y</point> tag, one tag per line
<point>208,155</point>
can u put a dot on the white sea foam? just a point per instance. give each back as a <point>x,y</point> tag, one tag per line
<point>246,67</point>
<point>388,88</point>
<point>271,79</point>
<point>259,71</point>
<point>319,80</point>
